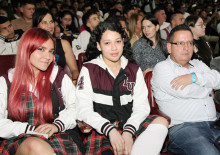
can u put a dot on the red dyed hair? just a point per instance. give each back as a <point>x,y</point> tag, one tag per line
<point>24,76</point>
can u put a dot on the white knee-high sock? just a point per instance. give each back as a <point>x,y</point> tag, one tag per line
<point>150,142</point>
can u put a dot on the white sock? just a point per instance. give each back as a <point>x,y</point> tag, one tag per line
<point>150,142</point>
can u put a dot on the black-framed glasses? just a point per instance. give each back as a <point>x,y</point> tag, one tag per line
<point>182,43</point>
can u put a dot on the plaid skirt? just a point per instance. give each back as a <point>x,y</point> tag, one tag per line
<point>96,143</point>
<point>61,143</point>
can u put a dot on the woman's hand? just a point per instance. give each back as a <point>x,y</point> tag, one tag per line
<point>128,142</point>
<point>49,129</point>
<point>117,142</point>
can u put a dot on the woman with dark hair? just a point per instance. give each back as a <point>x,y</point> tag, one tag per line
<point>112,97</point>
<point>202,49</point>
<point>150,49</point>
<point>43,18</point>
<point>68,23</point>
<point>37,101</point>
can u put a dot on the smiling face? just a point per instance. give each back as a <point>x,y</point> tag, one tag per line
<point>41,58</point>
<point>111,45</point>
<point>181,54</point>
<point>47,23</point>
<point>149,29</point>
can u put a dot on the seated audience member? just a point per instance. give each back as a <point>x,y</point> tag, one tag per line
<point>42,18</point>
<point>67,24</point>
<point>202,50</point>
<point>215,64</point>
<point>90,20</point>
<point>9,38</point>
<point>33,117</point>
<point>112,97</point>
<point>135,29</point>
<point>25,21</point>
<point>150,49</point>
<point>127,12</point>
<point>182,88</point>
<point>165,28</point>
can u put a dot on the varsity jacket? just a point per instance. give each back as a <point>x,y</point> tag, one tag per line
<point>8,47</point>
<point>106,102</point>
<point>64,119</point>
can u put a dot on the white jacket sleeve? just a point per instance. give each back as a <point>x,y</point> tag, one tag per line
<point>84,103</point>
<point>67,117</point>
<point>8,128</point>
<point>141,107</point>
<point>2,45</point>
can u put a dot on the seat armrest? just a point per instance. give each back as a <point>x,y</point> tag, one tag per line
<point>155,111</point>
<point>84,128</point>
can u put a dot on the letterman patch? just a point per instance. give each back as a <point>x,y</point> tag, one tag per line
<point>129,85</point>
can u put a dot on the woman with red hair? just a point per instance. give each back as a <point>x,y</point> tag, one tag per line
<point>37,101</point>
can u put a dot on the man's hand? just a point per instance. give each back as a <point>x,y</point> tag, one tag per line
<point>181,81</point>
<point>49,129</point>
<point>117,142</point>
<point>128,142</point>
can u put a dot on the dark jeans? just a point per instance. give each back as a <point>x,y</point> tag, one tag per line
<point>193,139</point>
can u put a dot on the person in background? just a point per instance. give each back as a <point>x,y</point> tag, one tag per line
<point>165,28</point>
<point>150,49</point>
<point>90,20</point>
<point>43,18</point>
<point>182,88</point>
<point>134,28</point>
<point>202,50</point>
<point>9,38</point>
<point>128,11</point>
<point>67,24</point>
<point>27,10</point>
<point>112,98</point>
<point>33,117</point>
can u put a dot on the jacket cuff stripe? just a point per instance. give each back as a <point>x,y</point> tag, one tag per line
<point>130,128</point>
<point>59,125</point>
<point>29,128</point>
<point>106,128</point>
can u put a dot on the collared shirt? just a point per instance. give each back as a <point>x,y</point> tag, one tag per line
<point>192,104</point>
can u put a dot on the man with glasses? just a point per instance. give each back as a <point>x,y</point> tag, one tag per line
<point>182,88</point>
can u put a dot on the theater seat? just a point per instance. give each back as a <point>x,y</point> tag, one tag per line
<point>80,60</point>
<point>155,109</point>
<point>7,62</point>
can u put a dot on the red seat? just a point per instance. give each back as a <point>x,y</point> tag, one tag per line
<point>7,62</point>
<point>154,107</point>
<point>80,60</point>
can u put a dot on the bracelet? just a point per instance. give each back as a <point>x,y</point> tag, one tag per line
<point>193,77</point>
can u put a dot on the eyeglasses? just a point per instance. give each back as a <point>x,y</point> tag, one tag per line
<point>182,43</point>
<point>201,25</point>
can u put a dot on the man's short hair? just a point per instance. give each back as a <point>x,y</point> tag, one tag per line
<point>127,9</point>
<point>25,2</point>
<point>181,27</point>
<point>173,15</point>
<point>3,19</point>
<point>158,9</point>
<point>87,15</point>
